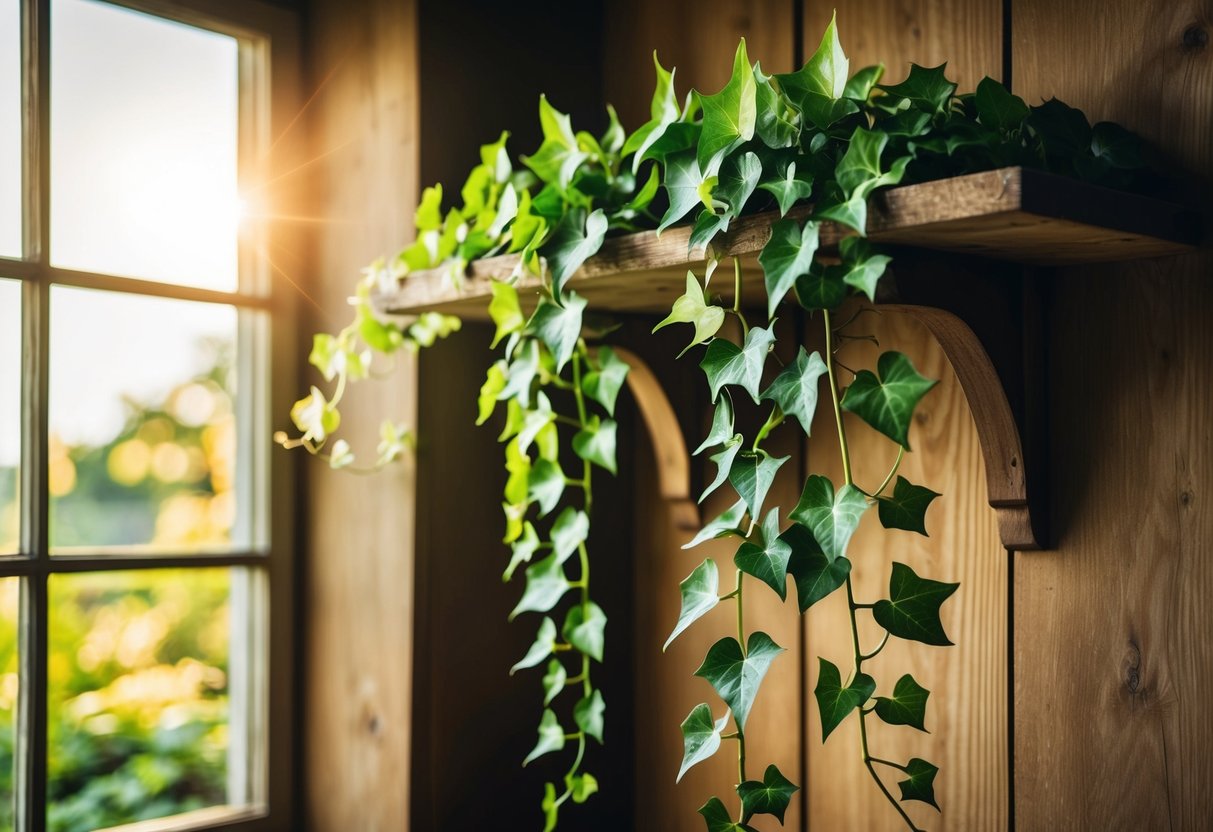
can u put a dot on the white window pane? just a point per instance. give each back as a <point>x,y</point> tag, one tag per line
<point>143,146</point>
<point>10,415</point>
<point>142,422</point>
<point>10,128</point>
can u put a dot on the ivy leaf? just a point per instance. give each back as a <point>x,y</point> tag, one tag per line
<point>771,123</point>
<point>534,421</point>
<point>832,518</point>
<point>997,107</point>
<point>722,424</point>
<point>920,784</point>
<point>730,115</point>
<point>682,180</point>
<point>585,628</point>
<point>588,713</point>
<point>558,158</point>
<point>735,185</point>
<point>545,484</point>
<point>558,327</point>
<point>912,609</point>
<point>737,676</point>
<point>887,403</point>
<point>581,786</point>
<point>693,308</point>
<point>1063,131</point>
<point>546,584</point>
<point>907,706</point>
<point>428,216</point>
<point>576,238</point>
<point>553,681</point>
<point>726,363</point>
<point>863,266</point>
<point>794,390</point>
<point>795,185</point>
<point>494,383</point>
<point>315,416</point>
<point>725,524</point>
<point>522,550</point>
<point>664,111</point>
<point>551,736</point>
<point>570,530</point>
<point>786,256</point>
<point>907,508</point>
<point>541,649</point>
<point>925,88</point>
<point>700,737</point>
<point>700,593</point>
<point>521,373</point>
<point>835,702</point>
<point>770,796</point>
<point>596,442</point>
<point>751,476</point>
<point>551,809</point>
<point>724,464</point>
<point>859,86</point>
<point>858,172</point>
<point>644,196</point>
<point>603,384</point>
<point>822,287</point>
<point>767,560</point>
<point>852,212</point>
<point>816,575</point>
<point>718,818</point>
<point>817,89</point>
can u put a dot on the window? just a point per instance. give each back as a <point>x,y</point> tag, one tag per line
<point>139,548</point>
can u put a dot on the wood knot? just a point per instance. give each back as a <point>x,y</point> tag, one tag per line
<point>923,417</point>
<point>1195,38</point>
<point>1185,498</point>
<point>373,725</point>
<point>1132,671</point>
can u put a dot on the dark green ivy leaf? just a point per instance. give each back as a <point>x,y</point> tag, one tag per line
<point>770,796</point>
<point>558,327</point>
<point>730,115</point>
<point>786,256</point>
<point>925,88</point>
<point>737,676</point>
<point>553,681</point>
<point>767,560</point>
<point>541,648</point>
<point>724,464</point>
<point>551,736</point>
<point>816,575</point>
<point>751,477</point>
<point>822,287</point>
<point>603,383</point>
<point>576,238</point>
<point>722,424</point>
<point>546,584</point>
<point>596,442</point>
<point>835,702</point>
<point>718,818</point>
<point>726,363</point>
<point>700,737</point>
<point>907,706</point>
<point>726,523</point>
<point>907,508</point>
<point>859,170</point>
<point>920,785</point>
<point>832,518</point>
<point>1064,132</point>
<point>912,609</point>
<point>772,124</point>
<point>585,629</point>
<point>700,593</point>
<point>588,714</point>
<point>795,388</point>
<point>887,403</point>
<point>545,485</point>
<point>863,267</point>
<point>997,107</point>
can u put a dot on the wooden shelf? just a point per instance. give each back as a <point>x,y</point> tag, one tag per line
<point>1012,214</point>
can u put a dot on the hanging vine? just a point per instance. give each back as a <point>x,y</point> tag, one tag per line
<point>821,140</point>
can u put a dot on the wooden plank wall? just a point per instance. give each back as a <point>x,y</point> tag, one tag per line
<point>358,596</point>
<point>1112,652</point>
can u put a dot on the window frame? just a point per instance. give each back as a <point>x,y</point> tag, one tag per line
<point>268,52</point>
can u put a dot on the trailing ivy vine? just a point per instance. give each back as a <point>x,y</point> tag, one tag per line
<point>813,145</point>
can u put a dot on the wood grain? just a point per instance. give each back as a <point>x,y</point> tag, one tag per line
<point>1112,652</point>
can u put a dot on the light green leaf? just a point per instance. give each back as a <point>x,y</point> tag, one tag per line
<point>794,390</point>
<point>588,714</point>
<point>570,530</point>
<point>663,110</point>
<point>722,424</point>
<point>997,107</point>
<point>718,818</point>
<point>551,736</point>
<point>737,676</point>
<point>724,464</point>
<point>576,238</point>
<point>518,464</point>
<point>772,123</point>
<point>912,609</point>
<point>859,86</point>
<point>767,559</point>
<point>581,786</point>
<point>504,310</point>
<point>887,403</point>
<point>920,784</point>
<point>925,88</point>
<point>795,184</point>
<point>585,629</point>
<point>770,796</point>
<point>428,216</point>
<point>726,363</point>
<point>858,172</point>
<point>786,256</point>
<point>522,550</point>
<point>545,484</point>
<point>863,267</point>
<point>832,518</point>
<point>907,705</point>
<point>534,421</point>
<point>738,178</point>
<point>521,373</point>
<point>817,87</point>
<point>852,212</point>
<point>700,593</point>
<point>494,383</point>
<point>727,523</point>
<point>644,196</point>
<point>834,702</point>
<point>596,442</point>
<point>683,178</point>
<point>603,383</point>
<point>700,737</point>
<point>907,508</point>
<point>315,416</point>
<point>816,575</point>
<point>551,809</point>
<point>693,308</point>
<point>553,681</point>
<point>541,649</point>
<point>730,115</point>
<point>546,584</point>
<point>751,476</point>
<point>558,327</point>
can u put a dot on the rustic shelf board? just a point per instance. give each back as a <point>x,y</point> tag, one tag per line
<point>1014,214</point>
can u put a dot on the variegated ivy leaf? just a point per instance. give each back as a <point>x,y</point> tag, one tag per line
<point>737,675</point>
<point>785,257</point>
<point>832,518</point>
<point>700,594</point>
<point>541,648</point>
<point>835,702</point>
<point>602,384</point>
<point>551,736</point>
<point>700,737</point>
<point>726,524</point>
<point>766,557</point>
<point>726,363</point>
<point>546,584</point>
<point>504,310</point>
<point>794,390</point>
<point>596,442</point>
<point>588,714</point>
<point>920,782</point>
<point>521,373</point>
<point>887,403</point>
<point>693,308</point>
<point>912,608</point>
<point>722,424</point>
<point>724,464</point>
<point>751,477</point>
<point>533,421</point>
<point>585,629</point>
<point>730,115</point>
<point>558,327</point>
<point>577,237</point>
<point>341,455</point>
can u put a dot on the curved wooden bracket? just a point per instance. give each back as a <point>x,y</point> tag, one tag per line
<point>673,461</point>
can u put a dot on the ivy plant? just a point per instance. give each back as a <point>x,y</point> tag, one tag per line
<point>811,147</point>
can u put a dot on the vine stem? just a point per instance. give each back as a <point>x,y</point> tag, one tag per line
<point>741,641</point>
<point>745,327</point>
<point>852,607</point>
